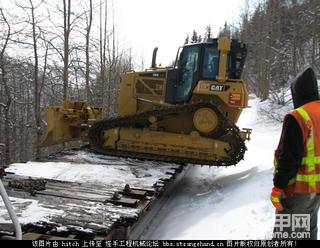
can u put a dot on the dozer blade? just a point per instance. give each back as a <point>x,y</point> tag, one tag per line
<point>68,122</point>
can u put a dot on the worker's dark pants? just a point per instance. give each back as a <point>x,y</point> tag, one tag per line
<point>298,218</point>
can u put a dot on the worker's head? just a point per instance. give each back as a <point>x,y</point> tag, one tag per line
<point>304,88</point>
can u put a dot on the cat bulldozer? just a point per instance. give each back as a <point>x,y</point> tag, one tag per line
<point>185,113</point>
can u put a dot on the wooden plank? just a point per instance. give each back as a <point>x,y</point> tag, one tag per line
<point>31,236</point>
<point>127,202</point>
<point>76,196</point>
<point>135,193</point>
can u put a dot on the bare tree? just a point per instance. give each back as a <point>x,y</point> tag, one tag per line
<point>36,73</point>
<point>66,50</point>
<point>284,38</point>
<point>102,49</point>
<point>89,25</point>
<point>36,33</point>
<point>294,37</point>
<point>42,62</point>
<point>7,92</point>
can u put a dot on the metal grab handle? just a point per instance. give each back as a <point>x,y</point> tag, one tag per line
<point>11,212</point>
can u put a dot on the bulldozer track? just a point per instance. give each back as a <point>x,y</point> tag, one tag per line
<point>224,131</point>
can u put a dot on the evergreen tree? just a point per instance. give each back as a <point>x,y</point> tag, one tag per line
<point>186,41</point>
<point>225,31</point>
<point>283,38</point>
<point>194,37</point>
<point>208,33</point>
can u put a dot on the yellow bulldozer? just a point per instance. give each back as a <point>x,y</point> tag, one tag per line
<point>185,113</point>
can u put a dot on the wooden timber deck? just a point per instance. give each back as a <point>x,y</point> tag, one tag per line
<point>63,198</point>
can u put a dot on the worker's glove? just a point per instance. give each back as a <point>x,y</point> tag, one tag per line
<point>276,195</point>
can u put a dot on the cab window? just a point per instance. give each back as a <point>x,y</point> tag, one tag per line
<point>188,66</point>
<point>210,63</point>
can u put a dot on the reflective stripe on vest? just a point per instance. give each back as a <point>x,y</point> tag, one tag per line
<point>310,160</point>
<point>275,199</point>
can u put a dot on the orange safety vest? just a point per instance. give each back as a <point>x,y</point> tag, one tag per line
<point>307,179</point>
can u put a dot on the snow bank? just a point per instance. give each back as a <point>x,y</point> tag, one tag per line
<point>233,202</point>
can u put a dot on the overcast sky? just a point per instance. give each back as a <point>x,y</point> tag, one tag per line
<point>145,24</point>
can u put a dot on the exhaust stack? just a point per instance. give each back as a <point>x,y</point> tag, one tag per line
<point>154,58</point>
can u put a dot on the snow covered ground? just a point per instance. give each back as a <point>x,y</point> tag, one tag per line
<point>209,203</point>
<point>228,203</point>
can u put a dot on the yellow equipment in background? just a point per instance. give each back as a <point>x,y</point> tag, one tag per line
<point>185,113</point>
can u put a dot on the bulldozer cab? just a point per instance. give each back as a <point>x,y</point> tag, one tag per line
<point>218,60</point>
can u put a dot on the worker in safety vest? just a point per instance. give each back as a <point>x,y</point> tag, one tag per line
<point>296,191</point>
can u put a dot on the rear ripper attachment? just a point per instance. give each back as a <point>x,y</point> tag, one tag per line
<point>69,122</point>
